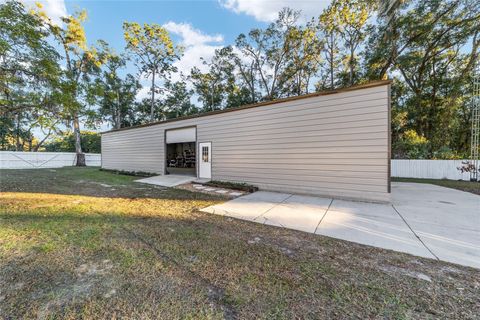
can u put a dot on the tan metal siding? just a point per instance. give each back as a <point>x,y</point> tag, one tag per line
<point>335,145</point>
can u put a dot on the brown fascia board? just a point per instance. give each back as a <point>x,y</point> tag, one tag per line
<point>260,104</point>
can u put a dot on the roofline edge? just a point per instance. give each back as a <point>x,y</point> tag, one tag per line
<point>370,84</point>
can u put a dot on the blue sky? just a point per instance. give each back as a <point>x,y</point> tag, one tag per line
<point>208,17</point>
<point>200,26</point>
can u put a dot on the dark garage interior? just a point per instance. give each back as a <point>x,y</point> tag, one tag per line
<point>181,158</point>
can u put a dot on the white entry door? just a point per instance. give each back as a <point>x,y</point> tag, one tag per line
<point>205,167</point>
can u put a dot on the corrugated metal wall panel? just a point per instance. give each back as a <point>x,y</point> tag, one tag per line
<point>335,145</point>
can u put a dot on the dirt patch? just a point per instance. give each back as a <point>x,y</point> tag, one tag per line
<point>406,272</point>
<point>91,278</point>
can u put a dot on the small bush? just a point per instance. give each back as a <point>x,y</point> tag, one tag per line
<point>131,173</point>
<point>411,146</point>
<point>232,185</point>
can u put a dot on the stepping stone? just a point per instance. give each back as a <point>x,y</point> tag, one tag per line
<point>236,194</point>
<point>209,189</point>
<point>197,186</point>
<point>221,191</point>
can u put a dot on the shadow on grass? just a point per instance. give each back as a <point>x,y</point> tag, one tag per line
<point>157,256</point>
<point>139,192</point>
<point>89,182</point>
<point>124,272</point>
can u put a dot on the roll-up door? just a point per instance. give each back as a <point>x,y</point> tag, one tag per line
<point>181,135</point>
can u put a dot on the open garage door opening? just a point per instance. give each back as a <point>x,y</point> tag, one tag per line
<point>181,151</point>
<point>181,159</point>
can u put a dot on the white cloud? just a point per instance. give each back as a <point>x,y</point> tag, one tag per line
<point>144,92</point>
<point>196,45</point>
<point>191,36</point>
<point>267,10</point>
<point>55,9</point>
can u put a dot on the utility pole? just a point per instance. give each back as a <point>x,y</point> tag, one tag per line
<point>474,154</point>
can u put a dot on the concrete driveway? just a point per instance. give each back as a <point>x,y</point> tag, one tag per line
<point>423,219</point>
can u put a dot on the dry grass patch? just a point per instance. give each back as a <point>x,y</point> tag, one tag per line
<point>467,186</point>
<point>110,255</point>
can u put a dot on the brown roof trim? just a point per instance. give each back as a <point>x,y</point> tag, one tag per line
<point>265,103</point>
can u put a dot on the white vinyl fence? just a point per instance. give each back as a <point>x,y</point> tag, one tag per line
<point>429,169</point>
<point>33,160</point>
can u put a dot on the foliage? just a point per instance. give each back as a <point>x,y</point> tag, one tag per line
<point>91,143</point>
<point>304,58</point>
<point>410,145</point>
<point>116,94</point>
<point>329,30</point>
<point>470,167</point>
<point>81,64</point>
<point>429,48</point>
<point>29,72</point>
<point>232,185</point>
<point>154,53</point>
<point>175,102</point>
<point>467,186</point>
<point>268,51</point>
<point>216,88</point>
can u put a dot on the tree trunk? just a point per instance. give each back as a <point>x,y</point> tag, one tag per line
<point>78,142</point>
<point>352,52</point>
<point>39,144</point>
<point>331,60</point>
<point>18,145</point>
<point>152,103</point>
<point>119,116</point>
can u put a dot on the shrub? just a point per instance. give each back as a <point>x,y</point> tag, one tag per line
<point>410,145</point>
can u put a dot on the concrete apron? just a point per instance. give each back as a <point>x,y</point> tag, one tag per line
<point>169,180</point>
<point>419,221</point>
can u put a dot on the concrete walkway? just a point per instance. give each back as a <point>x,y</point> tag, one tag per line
<point>168,180</point>
<point>173,180</point>
<point>423,220</point>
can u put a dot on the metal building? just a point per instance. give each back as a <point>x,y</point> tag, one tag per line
<point>333,143</point>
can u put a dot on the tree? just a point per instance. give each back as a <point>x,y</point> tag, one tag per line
<point>434,61</point>
<point>304,56</point>
<point>351,17</point>
<point>91,142</point>
<point>177,100</point>
<point>208,87</point>
<point>247,73</point>
<point>213,86</point>
<point>154,53</point>
<point>344,22</point>
<point>268,50</point>
<point>222,85</point>
<point>330,32</point>
<point>81,63</point>
<point>117,95</point>
<point>29,72</point>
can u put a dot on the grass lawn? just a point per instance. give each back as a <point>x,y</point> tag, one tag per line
<point>468,186</point>
<point>82,243</point>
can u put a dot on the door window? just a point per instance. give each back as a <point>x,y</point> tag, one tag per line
<point>205,154</point>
